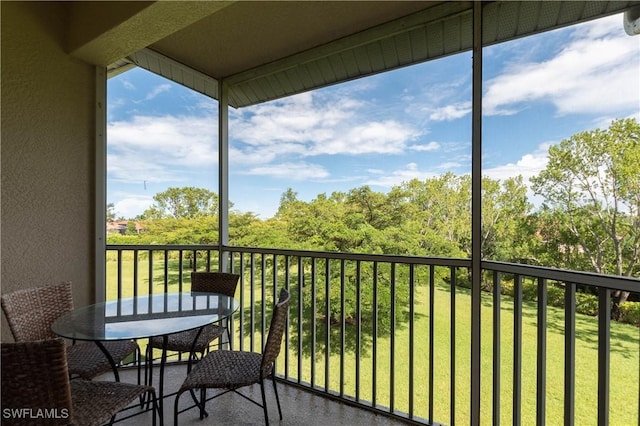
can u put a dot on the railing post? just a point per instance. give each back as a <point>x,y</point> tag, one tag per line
<point>496,346</point>
<point>541,404</point>
<point>604,346</point>
<point>517,350</point>
<point>569,353</point>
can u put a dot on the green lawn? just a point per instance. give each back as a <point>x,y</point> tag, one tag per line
<point>625,362</point>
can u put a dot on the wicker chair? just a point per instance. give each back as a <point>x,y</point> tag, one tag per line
<point>231,370</point>
<point>208,282</point>
<point>30,314</point>
<point>37,390</point>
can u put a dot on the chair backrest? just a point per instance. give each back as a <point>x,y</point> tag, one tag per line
<point>30,312</point>
<point>276,330</point>
<point>35,383</point>
<point>215,282</point>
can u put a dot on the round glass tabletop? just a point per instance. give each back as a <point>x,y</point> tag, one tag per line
<point>144,316</point>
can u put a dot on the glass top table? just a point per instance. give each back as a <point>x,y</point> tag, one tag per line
<point>143,317</point>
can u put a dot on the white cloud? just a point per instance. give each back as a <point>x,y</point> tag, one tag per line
<point>312,124</point>
<point>128,84</point>
<point>291,171</point>
<point>157,91</point>
<point>132,168</point>
<point>387,137</point>
<point>528,165</point>
<point>451,112</point>
<point>591,74</point>
<point>451,165</point>
<point>431,146</point>
<point>160,148</point>
<point>396,177</point>
<point>132,205</point>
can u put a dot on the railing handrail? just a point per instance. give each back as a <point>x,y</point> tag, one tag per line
<point>612,282</point>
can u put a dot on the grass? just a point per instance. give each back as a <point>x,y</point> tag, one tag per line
<point>624,355</point>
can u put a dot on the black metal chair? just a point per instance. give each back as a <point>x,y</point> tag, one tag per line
<point>232,370</point>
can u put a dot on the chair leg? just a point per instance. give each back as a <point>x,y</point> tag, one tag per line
<point>155,411</point>
<point>203,401</point>
<point>228,334</point>
<point>275,390</point>
<point>264,403</point>
<point>138,361</point>
<point>148,369</point>
<point>175,408</point>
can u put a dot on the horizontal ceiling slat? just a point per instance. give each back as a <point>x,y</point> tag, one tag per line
<point>527,26</point>
<point>362,60</point>
<point>337,66</point>
<point>326,69</point>
<point>315,73</point>
<point>247,92</point>
<point>403,48</point>
<point>350,64</point>
<point>175,71</point>
<point>299,78</point>
<point>507,25</point>
<point>419,43</point>
<point>389,52</point>
<point>570,12</point>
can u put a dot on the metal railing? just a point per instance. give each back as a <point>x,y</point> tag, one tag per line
<point>392,333</point>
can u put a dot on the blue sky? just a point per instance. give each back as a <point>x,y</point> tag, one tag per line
<point>377,131</point>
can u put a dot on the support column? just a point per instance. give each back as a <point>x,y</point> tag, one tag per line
<point>476,214</point>
<point>100,187</point>
<point>223,173</point>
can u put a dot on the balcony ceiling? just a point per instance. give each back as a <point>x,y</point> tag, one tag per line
<point>267,50</point>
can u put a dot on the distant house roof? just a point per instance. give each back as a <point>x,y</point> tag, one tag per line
<point>120,226</point>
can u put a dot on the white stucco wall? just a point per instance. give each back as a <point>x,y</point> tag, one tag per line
<point>47,154</point>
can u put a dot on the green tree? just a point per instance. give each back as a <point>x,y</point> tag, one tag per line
<point>505,212</point>
<point>183,203</point>
<point>592,187</point>
<point>131,228</point>
<point>438,212</point>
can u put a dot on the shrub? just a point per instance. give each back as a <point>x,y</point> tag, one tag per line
<point>555,296</point>
<point>630,313</point>
<point>587,304</point>
<point>530,289</point>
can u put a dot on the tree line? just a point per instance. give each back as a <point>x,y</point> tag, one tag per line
<point>589,219</point>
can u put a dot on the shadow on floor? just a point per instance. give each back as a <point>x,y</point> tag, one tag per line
<point>298,407</point>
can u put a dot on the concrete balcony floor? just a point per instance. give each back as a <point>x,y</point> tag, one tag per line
<point>298,406</point>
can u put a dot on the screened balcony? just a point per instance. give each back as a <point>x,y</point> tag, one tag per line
<point>436,356</point>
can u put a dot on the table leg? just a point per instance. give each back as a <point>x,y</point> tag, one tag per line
<point>110,359</point>
<point>163,361</point>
